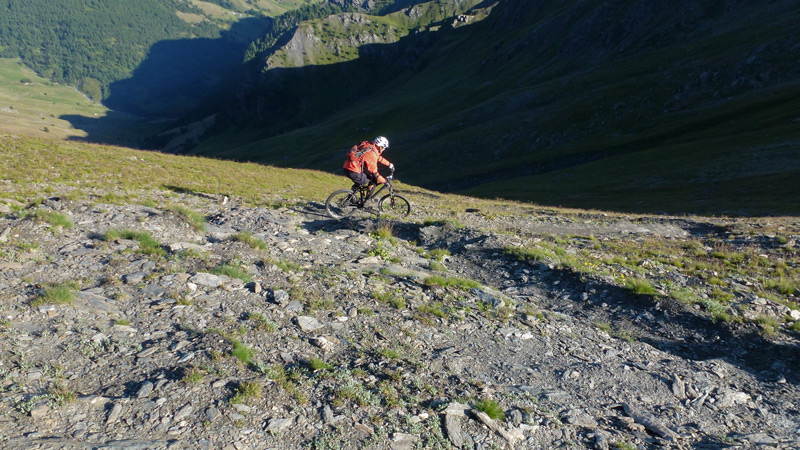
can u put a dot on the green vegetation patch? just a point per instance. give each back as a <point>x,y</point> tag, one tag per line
<point>192,217</point>
<point>491,408</point>
<point>246,392</point>
<point>56,294</point>
<point>232,271</point>
<point>53,218</point>
<point>248,238</point>
<point>461,283</point>
<point>147,243</point>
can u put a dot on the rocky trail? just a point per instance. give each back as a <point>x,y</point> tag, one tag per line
<point>281,328</point>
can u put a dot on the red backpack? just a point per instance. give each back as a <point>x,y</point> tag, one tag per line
<point>356,154</point>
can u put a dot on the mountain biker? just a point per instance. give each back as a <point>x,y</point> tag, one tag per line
<point>363,170</point>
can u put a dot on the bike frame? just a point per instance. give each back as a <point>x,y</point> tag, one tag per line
<point>377,190</point>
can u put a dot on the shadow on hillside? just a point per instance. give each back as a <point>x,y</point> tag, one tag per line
<point>179,78</point>
<point>183,81</point>
<point>663,323</point>
<point>666,324</point>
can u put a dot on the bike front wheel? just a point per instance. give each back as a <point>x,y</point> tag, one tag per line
<point>341,204</point>
<point>394,205</point>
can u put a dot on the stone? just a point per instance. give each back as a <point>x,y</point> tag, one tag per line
<point>133,278</point>
<point>276,425</point>
<point>145,390</point>
<point>206,279</point>
<point>678,387</point>
<point>212,414</point>
<point>452,426</point>
<point>280,297</point>
<point>114,414</point>
<point>403,441</point>
<point>183,412</point>
<point>579,419</point>
<point>308,324</point>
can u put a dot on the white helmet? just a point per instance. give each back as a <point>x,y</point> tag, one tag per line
<point>381,142</point>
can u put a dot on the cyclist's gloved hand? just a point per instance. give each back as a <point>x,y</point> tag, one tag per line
<point>391,166</point>
<point>389,178</point>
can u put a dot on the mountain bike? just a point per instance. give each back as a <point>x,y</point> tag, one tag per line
<point>344,202</point>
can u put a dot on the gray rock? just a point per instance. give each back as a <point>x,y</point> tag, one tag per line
<point>206,279</point>
<point>452,426</point>
<point>308,324</point>
<point>212,414</point>
<point>145,390</point>
<point>114,414</point>
<point>133,278</point>
<point>183,412</point>
<point>579,419</point>
<point>276,425</point>
<point>280,297</point>
<point>403,441</point>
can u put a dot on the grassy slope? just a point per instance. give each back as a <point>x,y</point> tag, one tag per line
<point>30,108</point>
<point>28,161</point>
<point>476,118</point>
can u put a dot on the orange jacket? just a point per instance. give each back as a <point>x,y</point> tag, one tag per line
<point>369,163</point>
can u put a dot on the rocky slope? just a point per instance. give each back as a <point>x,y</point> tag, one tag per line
<point>281,328</point>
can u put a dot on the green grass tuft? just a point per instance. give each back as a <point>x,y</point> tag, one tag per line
<point>242,352</point>
<point>461,283</point>
<point>232,271</point>
<point>248,238</point>
<point>192,217</point>
<point>640,286</point>
<point>245,392</point>
<point>491,408</point>
<point>53,218</point>
<point>57,294</point>
<point>147,243</point>
<point>316,364</point>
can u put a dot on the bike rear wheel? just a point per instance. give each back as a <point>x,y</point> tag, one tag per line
<point>395,206</point>
<point>341,204</point>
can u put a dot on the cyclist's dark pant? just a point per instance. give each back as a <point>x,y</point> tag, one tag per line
<point>360,178</point>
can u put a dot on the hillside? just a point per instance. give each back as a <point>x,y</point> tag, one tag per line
<point>131,56</point>
<point>637,105</point>
<point>160,301</point>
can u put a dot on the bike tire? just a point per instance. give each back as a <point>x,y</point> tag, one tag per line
<point>341,204</point>
<point>398,206</point>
